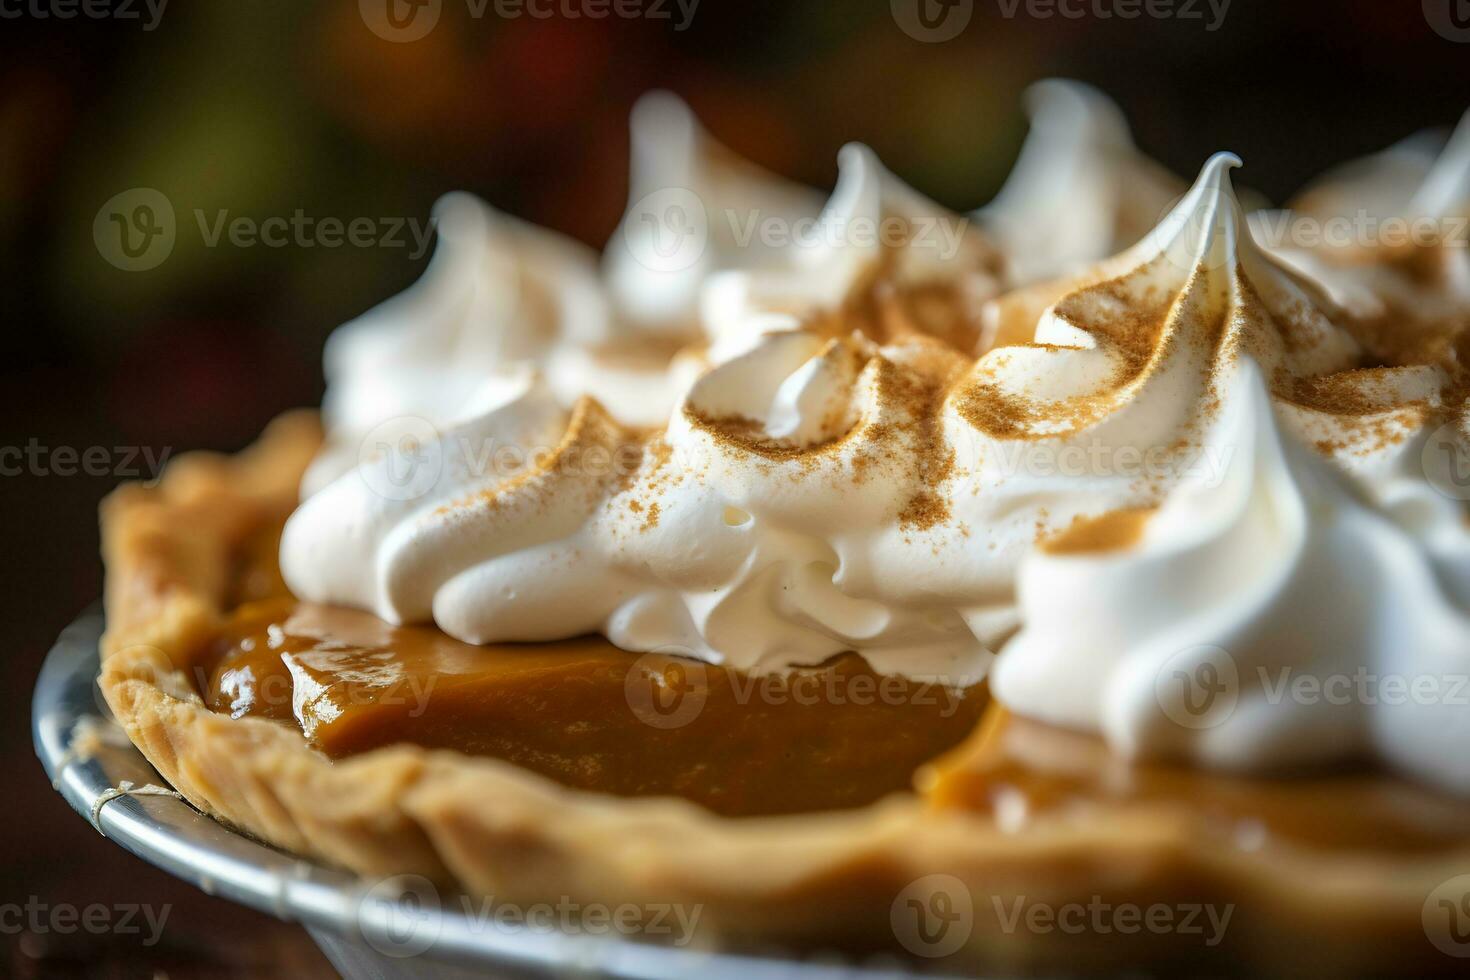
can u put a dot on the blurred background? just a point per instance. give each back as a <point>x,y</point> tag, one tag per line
<point>272,107</point>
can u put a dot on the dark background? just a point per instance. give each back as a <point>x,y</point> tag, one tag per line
<point>273,105</point>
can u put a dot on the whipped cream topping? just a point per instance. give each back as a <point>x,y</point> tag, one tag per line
<point>1385,184</point>
<point>1389,230</point>
<point>852,463</point>
<point>498,295</point>
<point>697,537</point>
<point>693,206</point>
<point>1081,191</point>
<point>1270,620</point>
<point>711,539</point>
<point>882,259</point>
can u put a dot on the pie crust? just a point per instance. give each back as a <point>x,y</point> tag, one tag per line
<point>181,554</point>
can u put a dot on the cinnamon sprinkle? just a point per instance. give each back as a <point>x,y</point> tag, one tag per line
<point>1117,530</point>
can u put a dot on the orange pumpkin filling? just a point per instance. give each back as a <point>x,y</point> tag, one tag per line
<point>587,714</point>
<point>1020,771</point>
<point>595,717</point>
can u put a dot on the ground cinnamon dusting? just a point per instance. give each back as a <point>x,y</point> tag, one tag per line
<point>1116,530</point>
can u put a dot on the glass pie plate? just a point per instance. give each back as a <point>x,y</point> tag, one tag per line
<point>402,930</point>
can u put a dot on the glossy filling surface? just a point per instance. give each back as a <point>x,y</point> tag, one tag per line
<point>587,714</point>
<point>1020,772</point>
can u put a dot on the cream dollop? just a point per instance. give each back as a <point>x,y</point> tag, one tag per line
<point>498,296</point>
<point>851,466</point>
<point>694,209</point>
<point>1270,620</point>
<point>881,259</point>
<point>1080,191</point>
<point>822,490</point>
<point>527,521</point>
<point>721,538</point>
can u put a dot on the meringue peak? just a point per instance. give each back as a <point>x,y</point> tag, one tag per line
<point>1447,185</point>
<point>1206,226</point>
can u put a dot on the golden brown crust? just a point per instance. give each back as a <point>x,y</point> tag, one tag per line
<point>174,554</point>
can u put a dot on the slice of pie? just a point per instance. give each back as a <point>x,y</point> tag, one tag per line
<point>1131,643</point>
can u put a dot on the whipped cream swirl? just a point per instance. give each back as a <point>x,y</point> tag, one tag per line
<point>1080,191</point>
<point>1268,621</point>
<point>854,470</point>
<point>684,184</point>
